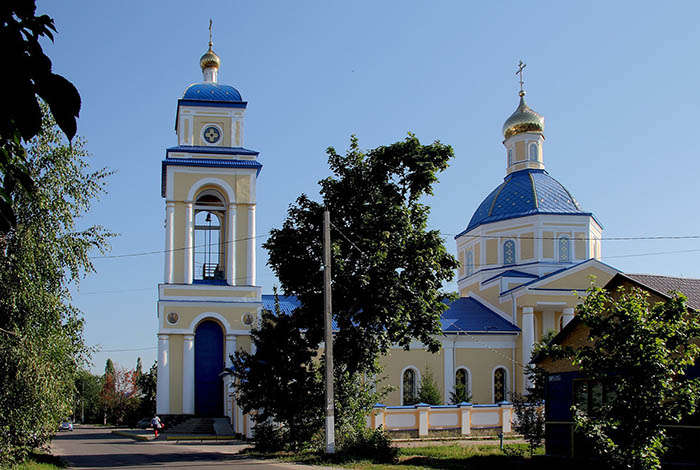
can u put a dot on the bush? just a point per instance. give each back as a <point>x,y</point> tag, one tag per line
<point>269,437</point>
<point>371,444</point>
<point>429,392</point>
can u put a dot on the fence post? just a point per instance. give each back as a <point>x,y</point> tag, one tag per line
<point>465,410</point>
<point>423,409</point>
<point>378,416</point>
<point>506,416</point>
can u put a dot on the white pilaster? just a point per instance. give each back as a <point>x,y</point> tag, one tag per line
<point>189,242</point>
<point>449,348</point>
<point>163,384</point>
<point>568,315</point>
<point>231,246</point>
<point>188,375</point>
<point>230,349</point>
<point>169,240</point>
<point>251,246</point>
<point>528,332</point>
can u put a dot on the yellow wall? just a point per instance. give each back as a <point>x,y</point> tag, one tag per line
<point>491,251</point>
<point>397,359</point>
<point>520,151</point>
<point>461,263</point>
<point>222,121</point>
<point>481,363</point>
<point>187,314</point>
<point>477,256</point>
<point>175,351</point>
<point>548,244</point>
<point>527,245</point>
<point>580,245</point>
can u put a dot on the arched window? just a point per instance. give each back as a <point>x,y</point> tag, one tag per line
<point>500,384</point>
<point>534,154</point>
<point>462,387</point>
<point>470,262</point>
<point>510,157</point>
<point>409,387</point>
<point>509,252</point>
<point>564,250</point>
<point>209,213</point>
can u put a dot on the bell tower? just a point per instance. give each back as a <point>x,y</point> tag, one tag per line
<point>209,299</point>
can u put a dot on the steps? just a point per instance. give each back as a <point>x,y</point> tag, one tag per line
<point>210,426</point>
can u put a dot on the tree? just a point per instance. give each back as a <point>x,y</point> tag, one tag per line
<point>109,367</point>
<point>428,391</point>
<point>387,274</point>
<point>88,405</point>
<point>147,385</point>
<point>21,114</point>
<point>637,358</point>
<point>120,395</point>
<point>460,393</point>
<point>529,408</point>
<point>42,342</point>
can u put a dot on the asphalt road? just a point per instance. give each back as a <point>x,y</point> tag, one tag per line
<point>96,448</point>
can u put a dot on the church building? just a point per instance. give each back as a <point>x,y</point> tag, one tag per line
<point>526,249</point>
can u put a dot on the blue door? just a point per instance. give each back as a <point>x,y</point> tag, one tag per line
<point>208,364</point>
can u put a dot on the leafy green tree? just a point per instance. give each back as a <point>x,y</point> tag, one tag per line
<point>88,405</point>
<point>21,114</point>
<point>388,269</point>
<point>428,391</point>
<point>109,366</point>
<point>147,385</point>
<point>640,352</point>
<point>41,346</point>
<point>529,408</point>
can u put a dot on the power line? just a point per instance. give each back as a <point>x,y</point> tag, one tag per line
<point>158,252</point>
<point>608,239</point>
<point>126,350</point>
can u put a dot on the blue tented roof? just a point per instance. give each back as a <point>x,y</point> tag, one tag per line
<point>212,92</point>
<point>511,273</point>
<point>287,303</point>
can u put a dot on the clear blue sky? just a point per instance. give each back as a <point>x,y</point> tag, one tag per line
<point>617,83</point>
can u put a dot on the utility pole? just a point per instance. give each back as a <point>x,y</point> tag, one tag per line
<point>328,333</point>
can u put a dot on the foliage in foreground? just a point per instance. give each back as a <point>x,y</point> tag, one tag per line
<point>21,113</point>
<point>387,269</point>
<point>637,357</point>
<point>41,346</point>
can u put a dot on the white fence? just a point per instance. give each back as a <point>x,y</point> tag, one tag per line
<point>461,419</point>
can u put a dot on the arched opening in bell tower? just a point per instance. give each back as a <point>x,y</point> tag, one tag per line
<point>209,239</point>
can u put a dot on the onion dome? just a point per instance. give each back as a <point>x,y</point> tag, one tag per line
<point>209,59</point>
<point>524,119</point>
<point>212,92</point>
<point>523,193</point>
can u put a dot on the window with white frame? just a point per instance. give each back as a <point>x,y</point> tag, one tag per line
<point>500,384</point>
<point>470,262</point>
<point>534,152</point>
<point>409,387</point>
<point>510,157</point>
<point>509,252</point>
<point>462,392</point>
<point>564,249</point>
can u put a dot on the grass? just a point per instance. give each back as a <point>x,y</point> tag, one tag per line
<point>450,457</point>
<point>41,461</point>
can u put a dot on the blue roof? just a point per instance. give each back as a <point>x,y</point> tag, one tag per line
<point>524,193</point>
<point>464,314</point>
<point>215,150</point>
<point>470,315</point>
<point>287,303</point>
<point>212,92</point>
<point>204,162</point>
<point>511,273</point>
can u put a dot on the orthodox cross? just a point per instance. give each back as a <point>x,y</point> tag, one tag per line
<point>211,43</point>
<point>521,66</point>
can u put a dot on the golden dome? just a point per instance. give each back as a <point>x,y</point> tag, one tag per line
<point>524,119</point>
<point>209,59</point>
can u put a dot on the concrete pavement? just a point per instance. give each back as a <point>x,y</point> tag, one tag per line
<point>96,448</point>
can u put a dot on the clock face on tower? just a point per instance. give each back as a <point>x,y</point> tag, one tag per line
<point>211,134</point>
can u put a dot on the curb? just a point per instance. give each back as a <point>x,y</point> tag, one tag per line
<point>138,437</point>
<point>194,437</point>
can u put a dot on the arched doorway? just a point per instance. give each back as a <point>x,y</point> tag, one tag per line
<point>208,364</point>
